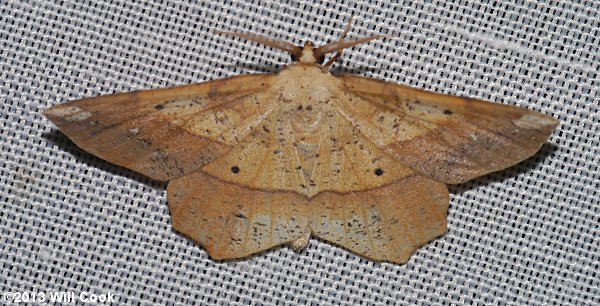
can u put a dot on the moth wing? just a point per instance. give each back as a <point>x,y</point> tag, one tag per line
<point>388,223</point>
<point>166,133</point>
<point>269,189</point>
<point>330,155</point>
<point>448,138</point>
<point>232,221</point>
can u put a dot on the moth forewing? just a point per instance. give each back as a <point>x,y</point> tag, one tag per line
<point>165,133</point>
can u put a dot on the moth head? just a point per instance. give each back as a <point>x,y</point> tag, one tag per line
<point>309,53</point>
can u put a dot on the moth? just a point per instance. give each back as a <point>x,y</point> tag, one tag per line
<point>260,160</point>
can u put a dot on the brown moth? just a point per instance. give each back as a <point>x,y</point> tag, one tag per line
<point>259,160</point>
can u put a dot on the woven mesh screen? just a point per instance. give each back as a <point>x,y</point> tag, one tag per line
<point>72,222</point>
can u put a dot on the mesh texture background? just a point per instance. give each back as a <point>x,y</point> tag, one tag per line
<point>72,222</point>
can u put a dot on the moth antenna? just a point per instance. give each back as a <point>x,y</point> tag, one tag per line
<point>339,53</point>
<point>341,45</point>
<point>275,43</point>
<point>348,25</point>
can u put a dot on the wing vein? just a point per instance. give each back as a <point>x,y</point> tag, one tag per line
<point>509,142</point>
<point>477,126</point>
<point>193,115</point>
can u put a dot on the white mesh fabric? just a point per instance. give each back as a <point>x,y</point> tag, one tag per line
<point>72,222</point>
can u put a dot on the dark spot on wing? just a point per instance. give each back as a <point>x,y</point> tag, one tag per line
<point>378,172</point>
<point>448,112</point>
<point>235,169</point>
<point>159,106</point>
